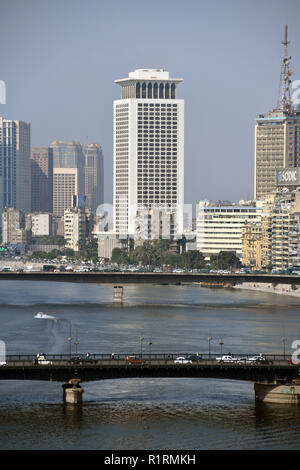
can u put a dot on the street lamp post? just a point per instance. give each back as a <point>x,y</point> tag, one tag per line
<point>70,339</point>
<point>283,341</point>
<point>141,340</point>
<point>150,344</point>
<point>221,344</point>
<point>209,340</point>
<point>76,342</point>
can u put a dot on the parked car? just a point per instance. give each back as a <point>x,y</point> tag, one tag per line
<point>182,360</point>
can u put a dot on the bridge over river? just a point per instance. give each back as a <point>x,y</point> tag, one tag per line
<point>120,279</point>
<point>275,379</point>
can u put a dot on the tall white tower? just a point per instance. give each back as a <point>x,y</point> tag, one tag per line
<point>148,149</point>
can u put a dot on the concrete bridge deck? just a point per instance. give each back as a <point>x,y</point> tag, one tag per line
<point>275,369</point>
<point>125,278</point>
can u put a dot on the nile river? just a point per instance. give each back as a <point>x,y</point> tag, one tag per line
<point>145,414</point>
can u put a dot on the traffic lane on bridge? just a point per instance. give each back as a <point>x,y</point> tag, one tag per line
<point>145,362</point>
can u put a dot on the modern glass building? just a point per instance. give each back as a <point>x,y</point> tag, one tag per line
<point>94,176</point>
<point>15,170</point>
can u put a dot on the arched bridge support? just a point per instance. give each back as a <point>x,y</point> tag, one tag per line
<point>278,393</point>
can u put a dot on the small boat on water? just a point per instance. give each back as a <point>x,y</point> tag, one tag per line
<point>44,315</point>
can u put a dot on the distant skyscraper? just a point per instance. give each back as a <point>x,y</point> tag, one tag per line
<point>277,136</point>
<point>148,148</point>
<point>68,174</point>
<point>41,179</point>
<point>94,177</point>
<point>15,171</point>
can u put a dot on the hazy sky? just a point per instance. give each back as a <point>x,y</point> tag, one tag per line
<point>59,60</point>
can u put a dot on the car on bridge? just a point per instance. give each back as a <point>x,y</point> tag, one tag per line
<point>40,359</point>
<point>83,358</point>
<point>194,357</point>
<point>182,360</point>
<point>227,358</point>
<point>134,360</point>
<point>255,359</point>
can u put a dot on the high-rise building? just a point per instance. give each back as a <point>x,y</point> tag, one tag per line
<point>68,174</point>
<point>65,186</point>
<point>277,135</point>
<point>41,179</point>
<point>15,171</point>
<point>94,176</point>
<point>148,148</point>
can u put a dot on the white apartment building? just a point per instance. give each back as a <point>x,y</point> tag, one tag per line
<point>148,148</point>
<point>42,224</point>
<point>76,224</point>
<point>219,225</point>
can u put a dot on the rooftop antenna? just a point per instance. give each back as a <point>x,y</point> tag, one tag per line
<point>284,97</point>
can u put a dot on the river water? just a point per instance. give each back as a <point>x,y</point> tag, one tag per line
<point>144,413</point>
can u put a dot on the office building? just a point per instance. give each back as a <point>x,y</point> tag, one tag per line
<point>65,186</point>
<point>277,135</point>
<point>220,223</point>
<point>41,179</point>
<point>15,171</point>
<point>148,148</point>
<point>94,176</point>
<point>68,174</point>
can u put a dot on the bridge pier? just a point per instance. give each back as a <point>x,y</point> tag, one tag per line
<point>72,392</point>
<point>118,294</point>
<point>275,393</point>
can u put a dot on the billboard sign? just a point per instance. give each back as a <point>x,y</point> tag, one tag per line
<point>288,177</point>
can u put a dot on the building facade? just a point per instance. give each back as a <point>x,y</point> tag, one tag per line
<point>41,179</point>
<point>148,148</point>
<point>14,230</point>
<point>42,224</point>
<point>68,174</point>
<point>277,135</point>
<point>252,245</point>
<point>277,145</point>
<point>15,170</point>
<point>94,176</point>
<point>220,223</point>
<point>77,227</point>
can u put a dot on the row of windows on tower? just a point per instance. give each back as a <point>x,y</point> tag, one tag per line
<point>162,91</point>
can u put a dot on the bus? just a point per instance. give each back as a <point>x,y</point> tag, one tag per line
<point>293,270</point>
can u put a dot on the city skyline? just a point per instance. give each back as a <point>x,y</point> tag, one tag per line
<point>224,90</point>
